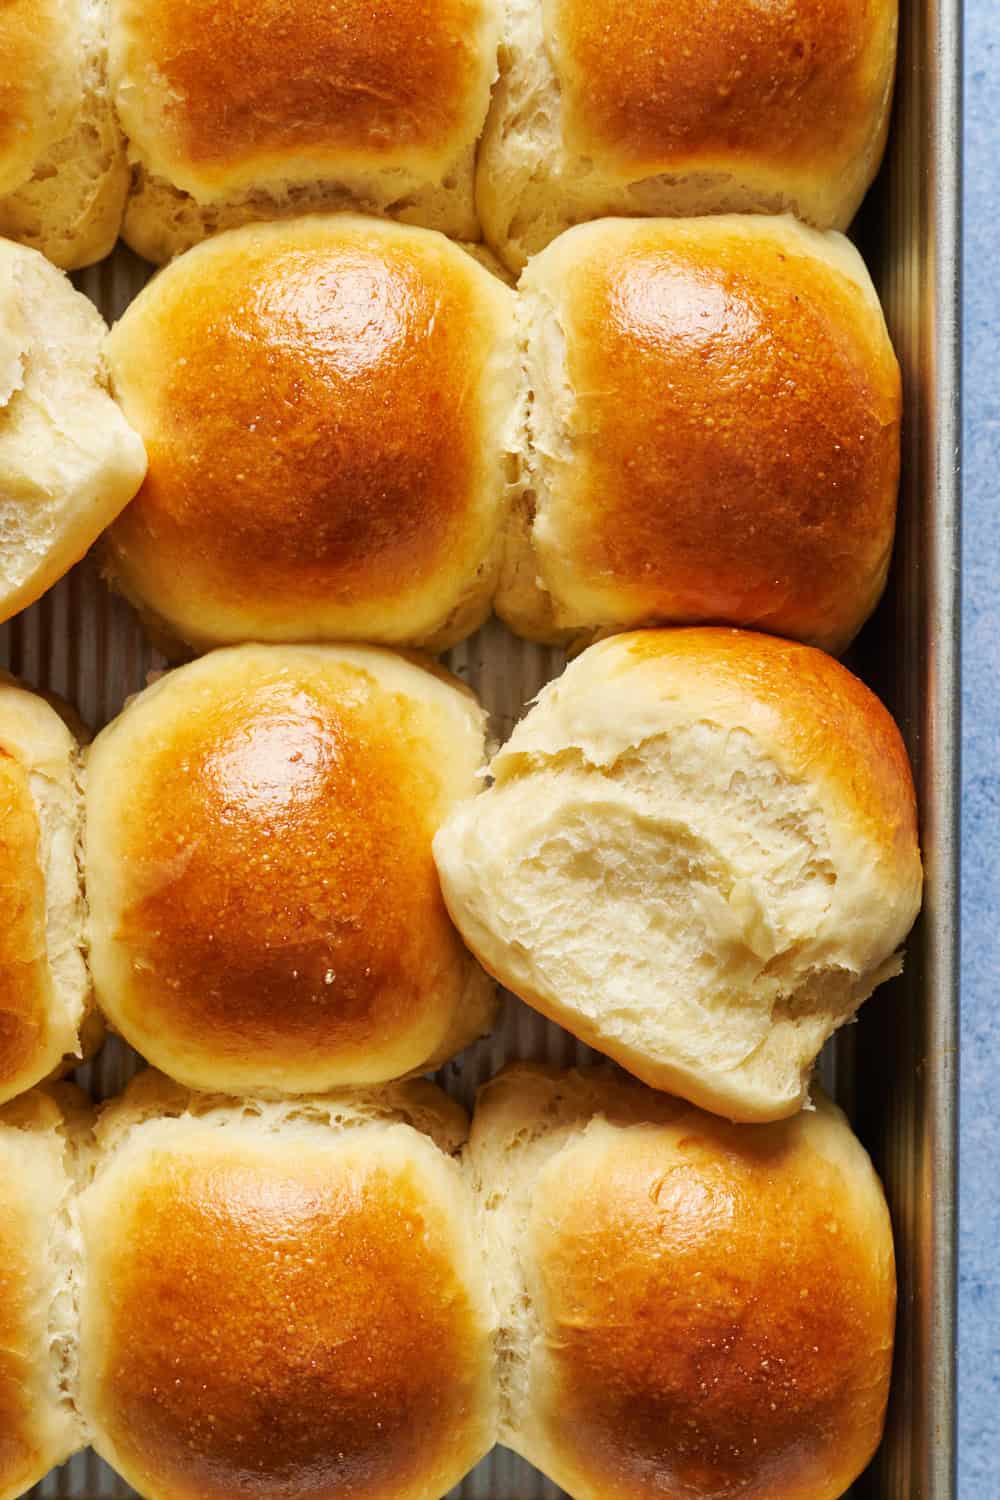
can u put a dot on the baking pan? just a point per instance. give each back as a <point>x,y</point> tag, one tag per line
<point>896,1070</point>
<point>905,1077</point>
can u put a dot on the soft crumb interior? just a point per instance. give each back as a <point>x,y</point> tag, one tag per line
<point>417,1104</point>
<point>502,1180</point>
<point>525,595</point>
<point>13,348</point>
<point>679,898</point>
<point>38,446</point>
<point>162,220</point>
<point>67,1260</point>
<point>58,801</point>
<point>67,459</point>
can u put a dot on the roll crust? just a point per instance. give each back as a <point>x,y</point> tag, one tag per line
<point>63,173</point>
<point>328,407</point>
<point>37,1417</point>
<point>44,989</point>
<point>286,1302</point>
<point>713,435</point>
<point>38,87</point>
<point>376,107</point>
<point>265,912</point>
<point>699,854</point>
<point>26,989</point>
<point>678,110</point>
<point>688,1308</point>
<point>674,90</point>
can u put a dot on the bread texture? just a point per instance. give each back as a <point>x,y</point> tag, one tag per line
<point>63,172</point>
<point>42,1136</point>
<point>69,461</point>
<point>687,1308</point>
<point>44,988</point>
<point>265,914</point>
<point>285,1300</point>
<point>331,408</point>
<point>683,110</point>
<point>712,432</point>
<point>698,852</point>
<point>238,111</point>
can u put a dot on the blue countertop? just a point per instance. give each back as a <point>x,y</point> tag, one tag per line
<point>979,1312</point>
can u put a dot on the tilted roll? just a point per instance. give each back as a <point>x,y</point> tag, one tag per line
<point>69,461</point>
<point>698,852</point>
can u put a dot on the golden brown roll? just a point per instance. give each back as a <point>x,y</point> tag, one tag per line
<point>698,852</point>
<point>238,111</point>
<point>713,434</point>
<point>683,109</point>
<point>40,1134</point>
<point>265,912</point>
<point>44,988</point>
<point>330,406</point>
<point>69,461</point>
<point>688,1308</point>
<point>286,1301</point>
<point>63,173</point>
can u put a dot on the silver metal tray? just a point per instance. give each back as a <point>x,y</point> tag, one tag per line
<point>896,1070</point>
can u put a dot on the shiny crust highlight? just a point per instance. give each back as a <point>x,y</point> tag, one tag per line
<point>288,1312</point>
<point>265,910</point>
<point>713,434</point>
<point>328,415</point>
<point>688,1308</point>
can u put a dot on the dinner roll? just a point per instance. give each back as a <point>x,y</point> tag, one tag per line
<point>699,854</point>
<point>683,109</point>
<point>40,1136</point>
<point>69,461</point>
<point>63,172</point>
<point>713,433</point>
<point>688,1308</point>
<point>44,989</point>
<point>264,909</point>
<point>330,406</point>
<point>237,111</point>
<point>286,1301</point>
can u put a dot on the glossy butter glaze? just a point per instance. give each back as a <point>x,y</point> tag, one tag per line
<point>688,1276</point>
<point>209,92</point>
<point>39,83</point>
<point>732,431</point>
<point>265,908</point>
<point>26,994</point>
<point>348,1353</point>
<point>324,456</point>
<point>660,88</point>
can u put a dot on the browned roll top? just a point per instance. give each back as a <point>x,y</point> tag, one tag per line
<point>265,910</point>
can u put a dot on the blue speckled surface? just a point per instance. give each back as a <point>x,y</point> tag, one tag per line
<point>979,1315</point>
